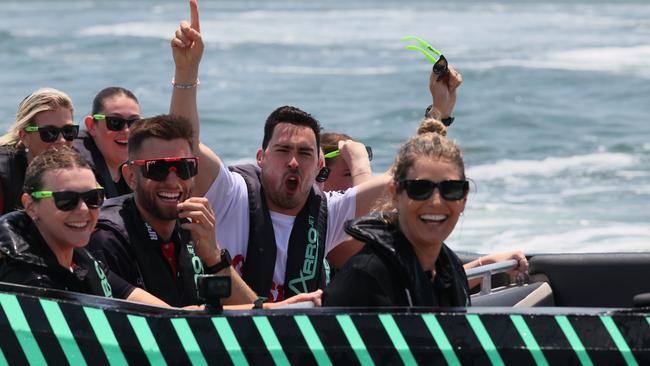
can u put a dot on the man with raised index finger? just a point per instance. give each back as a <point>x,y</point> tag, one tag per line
<point>275,222</point>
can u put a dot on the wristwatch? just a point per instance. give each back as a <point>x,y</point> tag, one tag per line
<point>223,263</point>
<point>445,121</point>
<point>259,303</point>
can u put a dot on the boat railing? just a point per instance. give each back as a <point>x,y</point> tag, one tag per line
<point>485,273</point>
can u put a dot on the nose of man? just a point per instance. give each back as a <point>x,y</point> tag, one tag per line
<point>293,163</point>
<point>172,174</point>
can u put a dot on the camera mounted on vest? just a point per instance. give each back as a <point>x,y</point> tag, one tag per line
<point>212,289</point>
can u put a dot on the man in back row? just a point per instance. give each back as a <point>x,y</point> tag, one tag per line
<point>276,224</point>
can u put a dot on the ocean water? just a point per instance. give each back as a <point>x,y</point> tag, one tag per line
<point>552,114</point>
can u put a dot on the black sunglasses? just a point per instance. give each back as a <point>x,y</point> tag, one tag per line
<point>115,123</point>
<point>50,134</point>
<point>158,169</point>
<point>441,67</point>
<point>68,200</point>
<point>422,189</point>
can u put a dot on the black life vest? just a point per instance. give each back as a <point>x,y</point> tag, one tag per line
<point>121,216</point>
<point>306,270</point>
<point>385,240</point>
<point>13,164</point>
<point>87,148</point>
<point>22,245</point>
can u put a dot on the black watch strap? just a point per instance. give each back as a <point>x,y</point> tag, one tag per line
<point>259,302</point>
<point>223,263</point>
<point>448,121</point>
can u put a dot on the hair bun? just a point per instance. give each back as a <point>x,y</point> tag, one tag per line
<point>432,125</point>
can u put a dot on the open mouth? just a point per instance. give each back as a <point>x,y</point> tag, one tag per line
<point>169,196</point>
<point>292,182</point>
<point>121,142</point>
<point>433,219</point>
<point>77,225</point>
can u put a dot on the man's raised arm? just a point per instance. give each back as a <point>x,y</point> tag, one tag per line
<point>187,50</point>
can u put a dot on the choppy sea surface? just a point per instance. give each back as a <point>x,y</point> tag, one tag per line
<point>553,114</point>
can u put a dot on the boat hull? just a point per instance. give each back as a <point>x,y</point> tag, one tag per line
<point>61,330</point>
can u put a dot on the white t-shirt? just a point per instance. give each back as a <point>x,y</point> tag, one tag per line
<point>229,199</point>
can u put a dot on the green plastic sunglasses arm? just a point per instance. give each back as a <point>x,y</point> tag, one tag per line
<point>42,194</point>
<point>433,59</point>
<point>35,128</point>
<point>48,194</point>
<point>332,154</point>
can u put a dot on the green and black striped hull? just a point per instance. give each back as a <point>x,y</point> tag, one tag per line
<point>59,331</point>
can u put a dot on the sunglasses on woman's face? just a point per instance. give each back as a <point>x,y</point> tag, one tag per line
<point>115,123</point>
<point>422,189</point>
<point>158,169</point>
<point>50,134</point>
<point>69,200</point>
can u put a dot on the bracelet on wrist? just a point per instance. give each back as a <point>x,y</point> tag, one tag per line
<point>431,112</point>
<point>185,85</point>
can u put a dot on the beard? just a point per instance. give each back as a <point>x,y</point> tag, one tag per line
<point>283,200</point>
<point>148,200</point>
<point>277,194</point>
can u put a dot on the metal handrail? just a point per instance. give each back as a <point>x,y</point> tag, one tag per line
<point>487,271</point>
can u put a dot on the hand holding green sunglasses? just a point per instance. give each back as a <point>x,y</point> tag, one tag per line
<point>440,64</point>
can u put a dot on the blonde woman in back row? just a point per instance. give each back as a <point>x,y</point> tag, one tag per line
<point>44,119</point>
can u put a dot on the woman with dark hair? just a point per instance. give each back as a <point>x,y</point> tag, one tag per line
<point>404,261</point>
<point>43,245</point>
<point>104,143</point>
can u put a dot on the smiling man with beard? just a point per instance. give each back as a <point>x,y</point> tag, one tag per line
<point>160,237</point>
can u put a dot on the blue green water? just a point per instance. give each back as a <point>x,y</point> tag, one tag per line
<point>552,114</point>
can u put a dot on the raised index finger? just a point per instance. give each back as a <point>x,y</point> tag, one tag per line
<point>194,16</point>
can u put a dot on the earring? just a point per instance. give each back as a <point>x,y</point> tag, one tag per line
<point>323,174</point>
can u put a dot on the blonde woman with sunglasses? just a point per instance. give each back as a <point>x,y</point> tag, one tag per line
<point>404,261</point>
<point>44,119</point>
